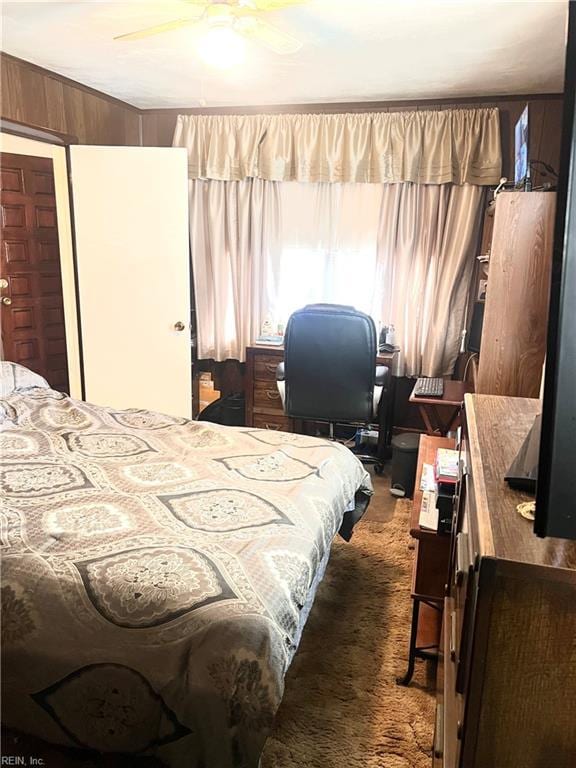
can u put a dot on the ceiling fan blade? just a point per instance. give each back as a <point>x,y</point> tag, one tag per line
<point>270,5</point>
<point>158,29</point>
<point>254,5</point>
<point>269,36</point>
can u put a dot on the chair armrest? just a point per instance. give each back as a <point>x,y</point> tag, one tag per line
<point>280,372</point>
<point>382,376</point>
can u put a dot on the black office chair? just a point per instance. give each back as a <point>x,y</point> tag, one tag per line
<point>329,373</point>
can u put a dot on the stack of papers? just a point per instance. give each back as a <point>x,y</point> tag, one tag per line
<point>428,481</point>
<point>428,513</point>
<point>275,340</point>
<point>446,465</point>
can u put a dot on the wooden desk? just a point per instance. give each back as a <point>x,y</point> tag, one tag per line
<point>430,571</point>
<point>263,404</point>
<point>442,414</point>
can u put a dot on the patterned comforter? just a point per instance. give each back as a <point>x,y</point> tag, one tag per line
<point>157,573</point>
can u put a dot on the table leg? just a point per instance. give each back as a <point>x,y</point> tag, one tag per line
<point>453,421</point>
<point>431,416</point>
<point>430,430</point>
<point>412,649</point>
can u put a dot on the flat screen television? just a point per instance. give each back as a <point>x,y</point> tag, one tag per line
<point>556,483</point>
<point>521,168</point>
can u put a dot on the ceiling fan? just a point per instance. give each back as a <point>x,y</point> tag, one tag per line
<point>243,17</point>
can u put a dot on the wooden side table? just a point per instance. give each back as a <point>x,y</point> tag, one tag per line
<point>442,414</point>
<point>430,571</point>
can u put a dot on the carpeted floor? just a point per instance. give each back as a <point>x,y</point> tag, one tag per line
<point>342,707</point>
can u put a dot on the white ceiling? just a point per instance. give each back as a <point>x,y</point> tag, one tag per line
<point>354,50</point>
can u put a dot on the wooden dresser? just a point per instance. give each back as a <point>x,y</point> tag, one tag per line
<point>507,672</point>
<point>263,404</point>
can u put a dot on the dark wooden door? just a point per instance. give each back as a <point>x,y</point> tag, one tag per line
<point>32,310</point>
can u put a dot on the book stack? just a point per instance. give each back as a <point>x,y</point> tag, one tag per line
<point>446,474</point>
<point>273,340</point>
<point>446,466</point>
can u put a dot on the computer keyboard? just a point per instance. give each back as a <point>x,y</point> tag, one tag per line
<point>429,388</point>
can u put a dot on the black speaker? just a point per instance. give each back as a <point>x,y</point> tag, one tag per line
<point>475,336</point>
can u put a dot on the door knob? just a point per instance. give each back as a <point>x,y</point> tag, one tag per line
<point>179,326</point>
<point>3,282</point>
<point>6,300</point>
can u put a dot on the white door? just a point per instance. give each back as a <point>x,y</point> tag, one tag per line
<point>131,222</point>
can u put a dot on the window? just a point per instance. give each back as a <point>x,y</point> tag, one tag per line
<point>328,245</point>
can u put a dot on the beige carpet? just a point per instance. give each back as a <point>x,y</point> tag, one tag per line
<point>342,707</point>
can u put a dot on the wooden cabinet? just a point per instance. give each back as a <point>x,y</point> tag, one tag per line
<point>507,674</point>
<point>516,310</point>
<point>263,404</point>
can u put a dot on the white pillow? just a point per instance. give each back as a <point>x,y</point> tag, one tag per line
<point>16,378</point>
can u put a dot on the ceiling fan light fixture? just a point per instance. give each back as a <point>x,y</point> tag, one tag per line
<point>221,47</point>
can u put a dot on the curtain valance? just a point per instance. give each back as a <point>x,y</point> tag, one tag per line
<point>459,146</point>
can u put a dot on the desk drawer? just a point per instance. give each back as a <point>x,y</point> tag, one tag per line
<point>275,422</point>
<point>265,367</point>
<point>267,397</point>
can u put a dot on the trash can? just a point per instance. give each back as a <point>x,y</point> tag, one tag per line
<point>404,463</point>
<point>229,410</point>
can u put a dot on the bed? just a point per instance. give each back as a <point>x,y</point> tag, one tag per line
<point>157,572</point>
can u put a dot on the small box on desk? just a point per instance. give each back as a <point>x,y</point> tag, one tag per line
<point>436,512</point>
<point>446,466</point>
<point>445,507</point>
<point>446,470</point>
<point>445,497</point>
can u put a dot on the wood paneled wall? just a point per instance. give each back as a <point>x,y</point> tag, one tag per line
<point>514,339</point>
<point>545,121</point>
<point>45,100</point>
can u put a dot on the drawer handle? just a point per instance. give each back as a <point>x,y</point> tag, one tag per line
<point>270,367</point>
<point>453,636</point>
<point>272,395</point>
<point>462,558</point>
<point>272,426</point>
<point>439,732</point>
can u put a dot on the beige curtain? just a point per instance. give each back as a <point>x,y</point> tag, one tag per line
<point>459,146</point>
<point>426,249</point>
<point>329,245</point>
<point>234,239</point>
<point>431,166</point>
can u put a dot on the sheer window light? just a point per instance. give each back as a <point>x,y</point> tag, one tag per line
<point>328,245</point>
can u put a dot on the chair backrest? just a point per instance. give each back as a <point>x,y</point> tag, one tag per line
<point>330,363</point>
